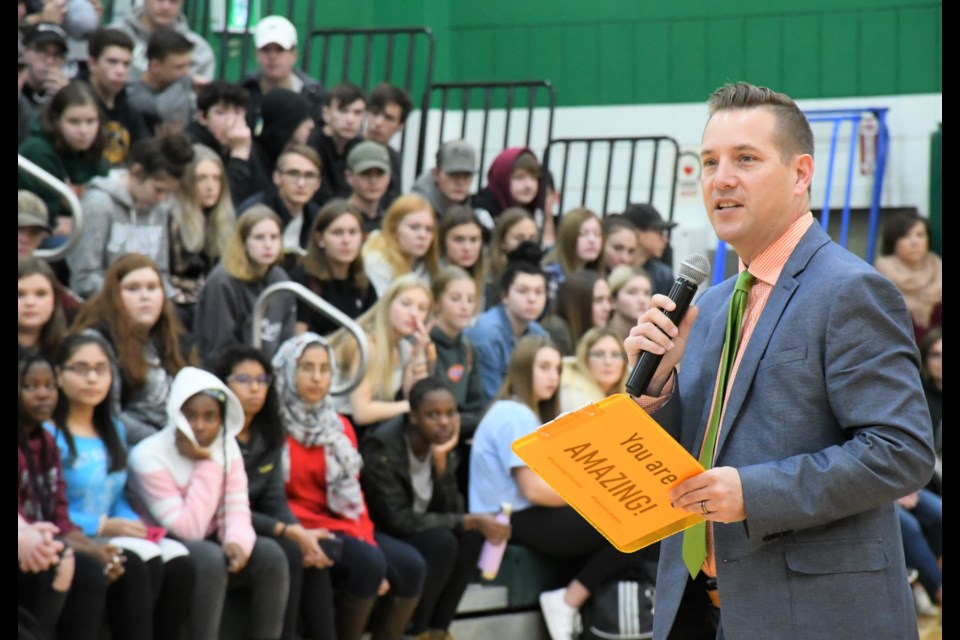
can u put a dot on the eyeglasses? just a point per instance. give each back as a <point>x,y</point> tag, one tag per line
<point>606,355</point>
<point>246,379</point>
<point>83,369</point>
<point>311,370</point>
<point>297,176</point>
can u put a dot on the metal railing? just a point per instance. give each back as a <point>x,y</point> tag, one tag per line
<point>327,309</point>
<point>52,182</point>
<point>490,115</point>
<point>615,171</point>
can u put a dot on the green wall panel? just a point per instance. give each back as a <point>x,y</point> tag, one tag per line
<point>656,51</point>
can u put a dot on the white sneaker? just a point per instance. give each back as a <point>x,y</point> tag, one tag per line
<point>924,605</point>
<point>561,618</point>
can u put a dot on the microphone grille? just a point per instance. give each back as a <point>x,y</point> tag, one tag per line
<point>695,268</point>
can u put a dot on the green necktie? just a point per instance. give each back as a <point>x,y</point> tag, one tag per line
<point>695,538</point>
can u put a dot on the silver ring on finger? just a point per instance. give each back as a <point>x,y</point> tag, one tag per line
<point>703,507</point>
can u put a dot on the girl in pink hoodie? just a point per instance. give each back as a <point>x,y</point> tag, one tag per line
<point>190,480</point>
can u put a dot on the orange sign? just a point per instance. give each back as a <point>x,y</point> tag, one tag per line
<point>615,465</point>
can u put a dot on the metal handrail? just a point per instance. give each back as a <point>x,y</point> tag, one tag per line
<point>58,185</point>
<point>326,309</point>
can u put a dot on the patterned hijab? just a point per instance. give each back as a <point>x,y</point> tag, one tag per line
<point>319,425</point>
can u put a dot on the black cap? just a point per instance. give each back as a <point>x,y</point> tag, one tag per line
<point>646,217</point>
<point>45,33</point>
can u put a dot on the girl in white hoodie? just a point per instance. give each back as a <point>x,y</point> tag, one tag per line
<point>191,480</point>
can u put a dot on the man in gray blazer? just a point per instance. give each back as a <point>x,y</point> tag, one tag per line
<point>823,421</point>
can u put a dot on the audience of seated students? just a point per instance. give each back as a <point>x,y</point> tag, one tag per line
<point>33,223</point>
<point>249,375</point>
<point>285,118</point>
<point>24,110</point>
<point>275,39</point>
<point>342,121</point>
<point>163,93</point>
<point>454,307</point>
<point>619,242</point>
<point>527,399</point>
<point>324,492</point>
<point>461,245</point>
<point>401,353</point>
<point>388,107</point>
<point>513,180</point>
<point>333,268</point>
<point>295,179</point>
<point>652,240</point>
<point>598,370</point>
<point>906,259</point>
<point>40,319</point>
<point>224,312</point>
<point>221,125</point>
<point>130,212</point>
<point>201,222</point>
<point>407,243</point>
<point>630,290</point>
<point>45,568</point>
<point>409,478</point>
<point>451,179</point>
<point>579,246</point>
<point>45,50</point>
<point>498,329</point>
<point>132,313</point>
<point>108,71</point>
<point>583,302</point>
<point>151,15</point>
<point>66,140</point>
<point>106,580</point>
<point>189,478</point>
<point>514,227</point>
<point>93,453</point>
<point>368,174</point>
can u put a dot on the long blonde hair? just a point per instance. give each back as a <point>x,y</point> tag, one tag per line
<point>519,379</point>
<point>198,230</point>
<point>565,251</point>
<point>385,242</point>
<point>376,324</point>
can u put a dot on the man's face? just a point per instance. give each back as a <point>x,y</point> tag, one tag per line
<point>651,242</point>
<point>369,185</point>
<point>161,13</point>
<point>42,60</point>
<point>111,70</point>
<point>167,71</point>
<point>220,119</point>
<point>29,239</point>
<point>275,62</point>
<point>384,124</point>
<point>344,119</point>
<point>455,187</point>
<point>751,195</point>
<point>297,179</point>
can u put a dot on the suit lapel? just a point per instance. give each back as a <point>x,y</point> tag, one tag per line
<point>780,297</point>
<point>709,355</point>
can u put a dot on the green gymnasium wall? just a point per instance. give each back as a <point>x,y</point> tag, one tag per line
<point>657,51</point>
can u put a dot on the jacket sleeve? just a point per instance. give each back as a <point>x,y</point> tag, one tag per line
<point>188,515</point>
<point>389,495</point>
<point>270,505</point>
<point>215,323</point>
<point>86,261</point>
<point>236,522</point>
<point>489,365</point>
<point>475,401</point>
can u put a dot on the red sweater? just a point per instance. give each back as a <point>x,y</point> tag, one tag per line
<point>307,491</point>
<point>51,506</point>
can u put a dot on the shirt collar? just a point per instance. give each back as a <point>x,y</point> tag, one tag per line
<point>768,265</point>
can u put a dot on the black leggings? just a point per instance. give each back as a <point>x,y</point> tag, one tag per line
<point>451,564</point>
<point>562,533</point>
<point>39,603</point>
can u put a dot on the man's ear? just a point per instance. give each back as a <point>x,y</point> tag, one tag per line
<point>804,172</point>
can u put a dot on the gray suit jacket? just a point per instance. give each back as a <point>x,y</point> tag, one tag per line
<point>827,424</point>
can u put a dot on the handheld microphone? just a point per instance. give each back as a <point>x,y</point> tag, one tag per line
<point>693,271</point>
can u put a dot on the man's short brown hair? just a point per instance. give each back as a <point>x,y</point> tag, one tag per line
<point>794,135</point>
